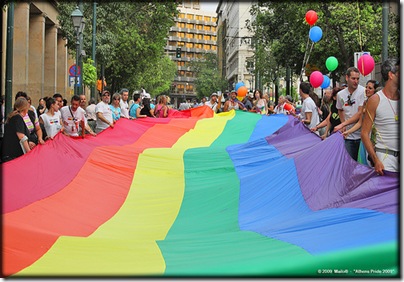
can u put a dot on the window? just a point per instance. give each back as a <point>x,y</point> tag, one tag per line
<point>190,16</point>
<point>190,35</point>
<point>181,34</point>
<point>181,16</point>
<point>190,45</point>
<point>189,25</point>
<point>207,18</point>
<point>198,17</point>
<point>206,37</point>
<point>199,27</point>
<point>206,28</point>
<point>214,47</point>
<point>213,29</point>
<point>206,46</point>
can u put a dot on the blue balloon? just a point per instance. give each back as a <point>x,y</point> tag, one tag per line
<point>239,84</point>
<point>326,82</point>
<point>315,34</point>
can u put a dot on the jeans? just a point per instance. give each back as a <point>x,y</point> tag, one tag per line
<point>352,147</point>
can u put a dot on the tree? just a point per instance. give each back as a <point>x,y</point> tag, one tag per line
<point>130,39</point>
<point>208,78</point>
<point>347,27</point>
<point>89,73</point>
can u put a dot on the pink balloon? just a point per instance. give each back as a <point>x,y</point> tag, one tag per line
<point>316,79</point>
<point>366,64</point>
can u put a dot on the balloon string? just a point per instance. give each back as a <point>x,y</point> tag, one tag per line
<point>359,27</point>
<point>360,35</point>
<point>304,58</point>
<point>308,56</point>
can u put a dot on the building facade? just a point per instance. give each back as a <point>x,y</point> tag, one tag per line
<point>39,55</point>
<point>236,56</point>
<point>195,34</point>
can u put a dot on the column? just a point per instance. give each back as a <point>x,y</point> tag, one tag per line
<point>21,46</point>
<point>62,67</point>
<point>36,57</point>
<point>50,60</point>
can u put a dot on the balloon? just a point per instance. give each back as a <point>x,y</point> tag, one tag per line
<point>366,64</point>
<point>316,79</point>
<point>242,91</point>
<point>326,82</point>
<point>331,63</point>
<point>287,107</point>
<point>238,85</point>
<point>315,34</point>
<point>311,17</point>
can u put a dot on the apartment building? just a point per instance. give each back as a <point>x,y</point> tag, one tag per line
<point>195,33</point>
<point>236,56</point>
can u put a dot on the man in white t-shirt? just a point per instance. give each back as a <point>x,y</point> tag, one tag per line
<point>309,113</point>
<point>349,104</point>
<point>214,103</point>
<point>124,103</point>
<point>104,113</point>
<point>73,118</point>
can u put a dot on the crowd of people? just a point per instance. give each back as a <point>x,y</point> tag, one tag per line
<point>367,117</point>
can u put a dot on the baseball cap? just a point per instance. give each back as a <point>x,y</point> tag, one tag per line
<point>214,94</point>
<point>146,95</point>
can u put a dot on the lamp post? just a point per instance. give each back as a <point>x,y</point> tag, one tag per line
<point>78,23</point>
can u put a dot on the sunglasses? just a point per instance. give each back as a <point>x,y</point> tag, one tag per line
<point>106,95</point>
<point>350,102</point>
<point>116,98</point>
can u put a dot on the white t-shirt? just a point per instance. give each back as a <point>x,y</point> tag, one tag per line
<point>351,108</point>
<point>71,119</point>
<point>106,112</point>
<point>213,107</point>
<point>51,123</point>
<point>124,108</point>
<point>309,106</point>
<point>90,110</point>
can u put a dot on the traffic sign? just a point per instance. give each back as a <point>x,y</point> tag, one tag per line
<point>72,70</point>
<point>72,80</point>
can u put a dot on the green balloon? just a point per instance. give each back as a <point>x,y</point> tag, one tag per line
<point>331,63</point>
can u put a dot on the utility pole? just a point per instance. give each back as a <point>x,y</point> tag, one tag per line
<point>94,43</point>
<point>9,59</point>
<point>385,30</point>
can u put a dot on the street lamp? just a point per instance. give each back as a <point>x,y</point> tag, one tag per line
<point>78,23</point>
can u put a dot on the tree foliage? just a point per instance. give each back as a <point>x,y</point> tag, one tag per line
<point>347,27</point>
<point>208,78</point>
<point>89,73</point>
<point>130,40</point>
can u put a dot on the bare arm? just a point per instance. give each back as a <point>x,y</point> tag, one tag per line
<point>103,119</point>
<point>367,123</point>
<point>226,106</point>
<point>25,144</point>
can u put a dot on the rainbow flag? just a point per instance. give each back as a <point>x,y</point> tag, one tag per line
<point>198,195</point>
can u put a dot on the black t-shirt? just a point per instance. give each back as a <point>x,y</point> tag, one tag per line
<point>11,147</point>
<point>334,118</point>
<point>146,110</point>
